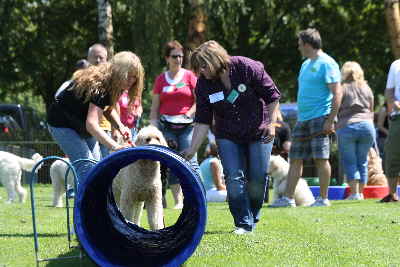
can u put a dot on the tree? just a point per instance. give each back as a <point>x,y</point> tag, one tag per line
<point>392,15</point>
<point>105,26</point>
<point>197,25</point>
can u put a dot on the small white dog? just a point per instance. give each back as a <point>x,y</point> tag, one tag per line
<point>57,174</point>
<point>11,167</point>
<point>140,183</point>
<point>279,169</point>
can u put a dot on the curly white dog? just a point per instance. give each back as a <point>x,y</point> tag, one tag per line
<point>57,174</point>
<point>11,167</point>
<point>279,169</point>
<point>140,183</point>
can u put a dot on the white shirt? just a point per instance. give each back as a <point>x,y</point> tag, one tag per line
<point>393,79</point>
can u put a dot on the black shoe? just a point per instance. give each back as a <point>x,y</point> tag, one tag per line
<point>389,198</point>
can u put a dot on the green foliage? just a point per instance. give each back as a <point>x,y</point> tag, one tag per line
<point>40,41</point>
<point>349,233</point>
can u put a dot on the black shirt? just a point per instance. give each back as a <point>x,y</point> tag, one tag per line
<point>75,107</point>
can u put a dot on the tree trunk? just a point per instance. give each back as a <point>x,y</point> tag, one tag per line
<point>392,15</point>
<point>197,25</point>
<point>105,26</point>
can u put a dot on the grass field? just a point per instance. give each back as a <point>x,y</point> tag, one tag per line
<point>350,233</point>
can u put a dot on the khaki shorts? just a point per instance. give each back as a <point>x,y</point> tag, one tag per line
<point>392,149</point>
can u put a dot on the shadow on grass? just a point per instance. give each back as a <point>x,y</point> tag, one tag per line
<point>63,260</point>
<point>31,235</point>
<point>216,232</point>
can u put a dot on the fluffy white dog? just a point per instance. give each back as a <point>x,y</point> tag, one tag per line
<point>279,169</point>
<point>11,167</point>
<point>57,174</point>
<point>140,183</point>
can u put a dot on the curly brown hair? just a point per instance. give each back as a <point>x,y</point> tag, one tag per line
<point>108,78</point>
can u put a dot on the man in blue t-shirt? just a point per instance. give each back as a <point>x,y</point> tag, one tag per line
<point>318,100</point>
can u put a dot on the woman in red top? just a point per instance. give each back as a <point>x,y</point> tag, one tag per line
<point>130,113</point>
<point>173,107</point>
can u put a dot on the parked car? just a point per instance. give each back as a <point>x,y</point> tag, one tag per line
<point>21,122</point>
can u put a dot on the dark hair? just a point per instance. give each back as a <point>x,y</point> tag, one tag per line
<point>312,37</point>
<point>171,46</point>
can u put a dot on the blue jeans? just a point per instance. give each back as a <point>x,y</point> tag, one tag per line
<point>355,140</point>
<point>183,138</point>
<point>245,168</point>
<point>76,147</point>
<point>104,151</point>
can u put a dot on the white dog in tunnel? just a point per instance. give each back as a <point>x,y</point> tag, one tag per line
<point>140,183</point>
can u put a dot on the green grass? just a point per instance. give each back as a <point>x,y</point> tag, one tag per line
<point>350,233</point>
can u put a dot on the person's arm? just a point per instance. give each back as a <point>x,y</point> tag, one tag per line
<point>391,103</point>
<point>199,134</point>
<point>115,120</point>
<point>114,132</point>
<point>217,175</point>
<point>190,113</point>
<point>337,92</point>
<point>381,120</point>
<point>192,84</point>
<point>154,112</point>
<point>93,127</point>
<point>268,124</point>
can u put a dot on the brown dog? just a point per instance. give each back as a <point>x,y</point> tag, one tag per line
<point>375,171</point>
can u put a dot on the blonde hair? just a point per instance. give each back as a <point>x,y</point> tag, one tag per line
<point>352,72</point>
<point>212,55</point>
<point>107,78</point>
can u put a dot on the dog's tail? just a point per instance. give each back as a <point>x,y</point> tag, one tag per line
<point>27,164</point>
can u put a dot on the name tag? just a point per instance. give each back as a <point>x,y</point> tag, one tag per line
<point>219,96</point>
<point>168,89</point>
<point>233,96</point>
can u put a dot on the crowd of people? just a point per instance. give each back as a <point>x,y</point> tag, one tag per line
<point>236,99</point>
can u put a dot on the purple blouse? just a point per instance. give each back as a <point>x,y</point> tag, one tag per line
<point>237,115</point>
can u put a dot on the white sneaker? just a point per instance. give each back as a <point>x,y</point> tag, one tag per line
<point>283,202</point>
<point>354,197</point>
<point>321,202</point>
<point>362,196</point>
<point>241,231</point>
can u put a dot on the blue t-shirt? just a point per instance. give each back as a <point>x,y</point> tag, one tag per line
<point>314,96</point>
<point>206,173</point>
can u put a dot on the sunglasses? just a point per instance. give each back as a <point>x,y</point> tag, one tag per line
<point>176,56</point>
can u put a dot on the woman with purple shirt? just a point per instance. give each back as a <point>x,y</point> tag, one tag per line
<point>242,99</point>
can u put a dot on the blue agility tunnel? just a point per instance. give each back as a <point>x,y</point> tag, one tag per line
<point>110,240</point>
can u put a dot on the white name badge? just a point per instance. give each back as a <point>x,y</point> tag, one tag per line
<point>167,89</point>
<point>216,97</point>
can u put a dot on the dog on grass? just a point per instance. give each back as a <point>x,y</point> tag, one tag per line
<point>140,183</point>
<point>375,170</point>
<point>279,169</point>
<point>11,167</point>
<point>58,170</point>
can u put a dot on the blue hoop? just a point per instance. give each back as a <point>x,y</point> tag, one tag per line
<point>110,240</point>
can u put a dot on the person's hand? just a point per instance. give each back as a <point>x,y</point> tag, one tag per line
<point>268,132</point>
<point>120,147</point>
<point>329,127</point>
<point>188,153</point>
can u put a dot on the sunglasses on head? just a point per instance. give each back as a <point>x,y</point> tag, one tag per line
<point>176,56</point>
